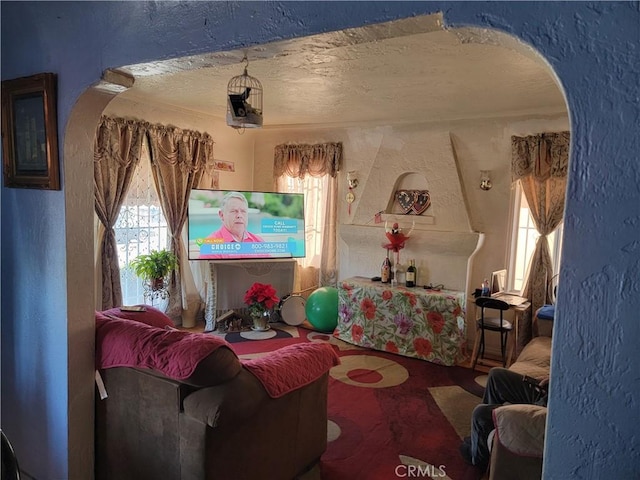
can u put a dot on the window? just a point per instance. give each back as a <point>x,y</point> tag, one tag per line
<point>524,237</point>
<point>315,203</point>
<point>140,228</point>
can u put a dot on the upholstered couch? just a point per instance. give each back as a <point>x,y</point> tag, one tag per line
<point>518,440</point>
<point>181,405</point>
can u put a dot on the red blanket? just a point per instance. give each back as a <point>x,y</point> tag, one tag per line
<point>292,367</point>
<point>174,353</point>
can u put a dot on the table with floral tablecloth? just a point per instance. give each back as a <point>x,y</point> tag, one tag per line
<point>413,322</point>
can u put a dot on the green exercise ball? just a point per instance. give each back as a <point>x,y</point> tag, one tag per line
<point>321,308</point>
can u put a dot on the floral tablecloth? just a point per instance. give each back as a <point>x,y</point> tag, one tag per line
<point>413,322</point>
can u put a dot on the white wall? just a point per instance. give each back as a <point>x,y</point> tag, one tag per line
<point>448,156</point>
<point>444,250</point>
<point>380,155</point>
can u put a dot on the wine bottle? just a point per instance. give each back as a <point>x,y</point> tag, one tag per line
<point>385,272</point>
<point>410,276</point>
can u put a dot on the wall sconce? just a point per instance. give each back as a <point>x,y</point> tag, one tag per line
<point>352,179</point>
<point>485,180</point>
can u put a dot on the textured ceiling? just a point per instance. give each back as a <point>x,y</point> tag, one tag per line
<point>401,72</point>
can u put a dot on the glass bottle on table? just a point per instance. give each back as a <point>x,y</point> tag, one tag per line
<point>411,275</point>
<point>385,271</point>
<point>485,292</point>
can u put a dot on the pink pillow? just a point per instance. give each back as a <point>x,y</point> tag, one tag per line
<point>151,316</point>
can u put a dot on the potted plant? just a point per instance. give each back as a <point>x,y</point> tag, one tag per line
<point>154,267</point>
<point>261,298</point>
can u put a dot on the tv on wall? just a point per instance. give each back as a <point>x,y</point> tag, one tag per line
<point>244,225</point>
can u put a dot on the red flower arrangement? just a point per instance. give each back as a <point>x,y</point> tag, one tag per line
<point>396,238</point>
<point>260,298</point>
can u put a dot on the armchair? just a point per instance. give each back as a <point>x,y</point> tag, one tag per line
<point>518,438</point>
<point>182,405</point>
<point>518,442</point>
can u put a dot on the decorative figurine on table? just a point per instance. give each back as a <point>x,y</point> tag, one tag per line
<point>397,240</point>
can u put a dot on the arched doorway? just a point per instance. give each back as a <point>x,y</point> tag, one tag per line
<point>79,148</point>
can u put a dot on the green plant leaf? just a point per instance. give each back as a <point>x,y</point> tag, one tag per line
<point>157,264</point>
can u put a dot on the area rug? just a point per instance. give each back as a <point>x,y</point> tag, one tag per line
<point>389,416</point>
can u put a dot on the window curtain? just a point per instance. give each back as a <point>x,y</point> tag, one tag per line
<point>539,163</point>
<point>179,158</point>
<point>316,161</point>
<point>117,150</point>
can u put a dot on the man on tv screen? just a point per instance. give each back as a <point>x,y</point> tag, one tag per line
<point>234,213</point>
<point>219,223</point>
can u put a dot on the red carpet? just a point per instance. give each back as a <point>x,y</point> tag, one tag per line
<point>389,416</point>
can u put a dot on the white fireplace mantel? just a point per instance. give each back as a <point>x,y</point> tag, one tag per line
<point>230,279</point>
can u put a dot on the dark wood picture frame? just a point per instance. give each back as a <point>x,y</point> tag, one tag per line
<point>30,132</point>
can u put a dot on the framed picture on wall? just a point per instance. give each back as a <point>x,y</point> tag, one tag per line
<point>30,132</point>
<point>224,165</point>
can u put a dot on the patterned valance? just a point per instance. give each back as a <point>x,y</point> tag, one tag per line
<point>191,149</point>
<point>118,142</point>
<point>317,160</point>
<point>541,156</point>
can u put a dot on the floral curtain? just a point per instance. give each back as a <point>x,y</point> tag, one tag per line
<point>117,151</point>
<point>539,163</point>
<point>179,158</point>
<point>319,160</point>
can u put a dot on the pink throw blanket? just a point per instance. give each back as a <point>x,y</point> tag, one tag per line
<point>126,343</point>
<point>292,367</point>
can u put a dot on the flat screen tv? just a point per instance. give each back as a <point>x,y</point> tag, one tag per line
<point>241,225</point>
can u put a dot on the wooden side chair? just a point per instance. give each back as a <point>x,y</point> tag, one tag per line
<point>495,323</point>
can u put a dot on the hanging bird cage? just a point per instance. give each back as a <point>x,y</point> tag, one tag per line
<point>244,101</point>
